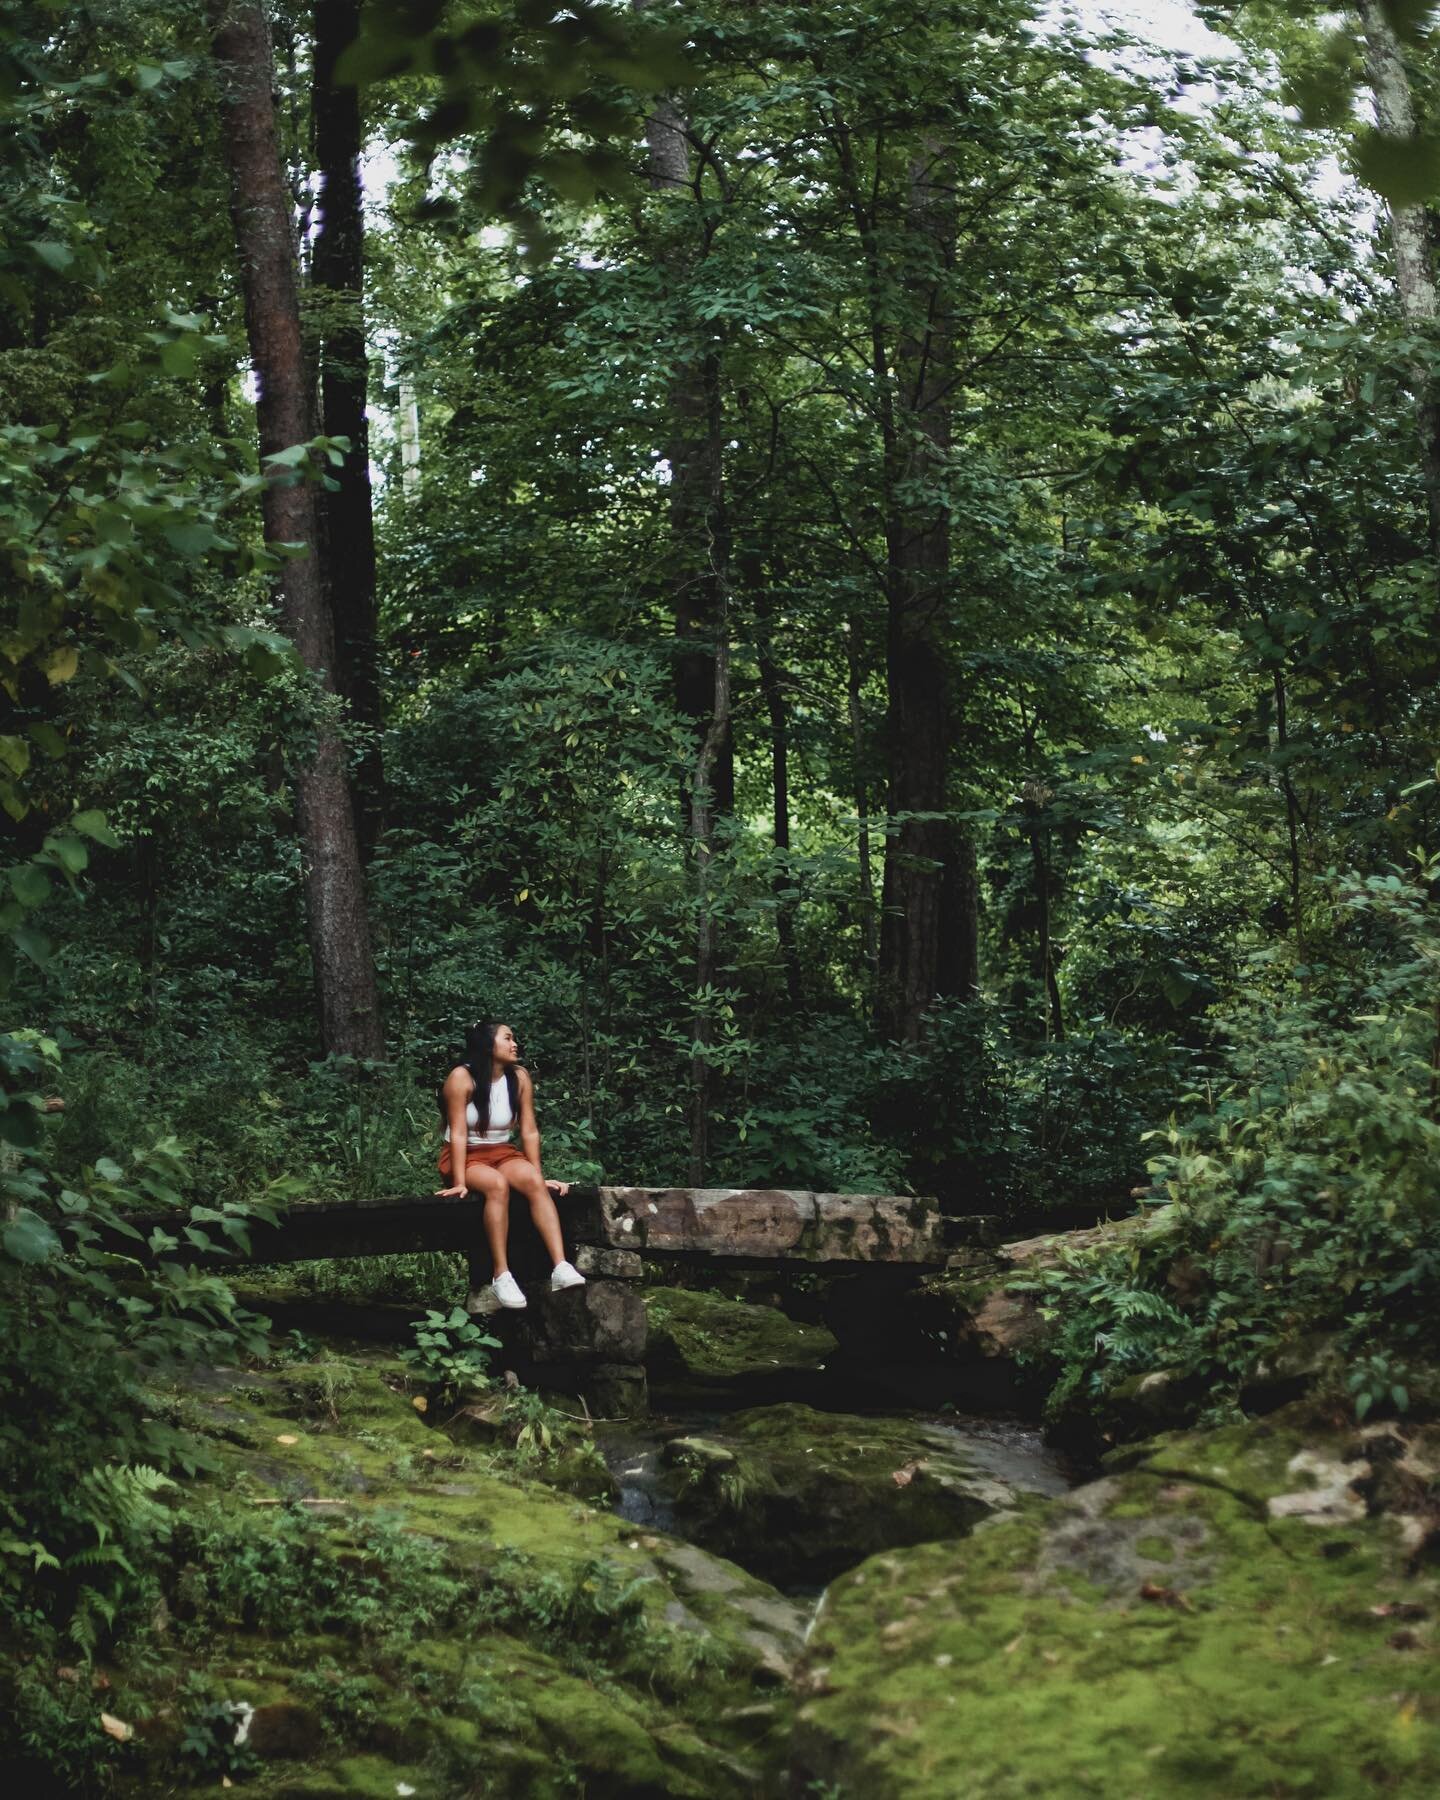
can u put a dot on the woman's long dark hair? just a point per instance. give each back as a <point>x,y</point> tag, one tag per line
<point>479,1060</point>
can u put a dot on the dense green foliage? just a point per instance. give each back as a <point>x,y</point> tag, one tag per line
<point>1186,623</point>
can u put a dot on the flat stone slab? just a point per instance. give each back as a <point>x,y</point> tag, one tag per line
<point>739,1224</point>
<point>763,1224</point>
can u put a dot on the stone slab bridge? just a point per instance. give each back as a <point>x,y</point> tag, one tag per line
<point>591,1340</point>
<point>728,1225</point>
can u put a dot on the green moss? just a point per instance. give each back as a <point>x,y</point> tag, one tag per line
<point>800,1495</point>
<point>1039,1657</point>
<point>584,1657</point>
<point>352,1778</point>
<point>710,1338</point>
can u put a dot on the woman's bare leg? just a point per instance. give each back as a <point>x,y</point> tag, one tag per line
<point>526,1180</point>
<point>496,1217</point>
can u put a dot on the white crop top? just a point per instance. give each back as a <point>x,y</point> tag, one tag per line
<point>502,1118</point>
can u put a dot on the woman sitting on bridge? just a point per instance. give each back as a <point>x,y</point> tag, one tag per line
<point>481,1100</point>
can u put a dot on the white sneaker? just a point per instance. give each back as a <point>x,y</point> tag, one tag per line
<point>506,1290</point>
<point>482,1301</point>
<point>565,1275</point>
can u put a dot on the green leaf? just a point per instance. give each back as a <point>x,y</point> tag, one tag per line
<point>20,1125</point>
<point>31,885</point>
<point>33,944</point>
<point>70,853</point>
<point>178,356</point>
<point>1405,170</point>
<point>28,1239</point>
<point>293,458</point>
<point>53,254</point>
<point>48,738</point>
<point>14,754</point>
<point>191,540</point>
<point>92,824</point>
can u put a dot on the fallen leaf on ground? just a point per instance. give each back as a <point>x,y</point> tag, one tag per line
<point>1165,1596</point>
<point>420,1403</point>
<point>904,1475</point>
<point>1013,1645</point>
<point>117,1728</point>
<point>287,1437</point>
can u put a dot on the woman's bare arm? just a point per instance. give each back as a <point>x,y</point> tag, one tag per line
<point>459,1086</point>
<point>530,1130</point>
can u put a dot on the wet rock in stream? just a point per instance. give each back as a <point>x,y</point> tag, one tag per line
<point>798,1495</point>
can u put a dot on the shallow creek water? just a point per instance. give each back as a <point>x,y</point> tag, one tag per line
<point>1012,1450</point>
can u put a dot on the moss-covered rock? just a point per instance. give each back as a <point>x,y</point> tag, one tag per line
<point>707,1338</point>
<point>1220,1615</point>
<point>799,1495</point>
<point>403,1612</point>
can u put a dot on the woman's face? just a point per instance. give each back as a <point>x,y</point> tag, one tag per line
<point>506,1049</point>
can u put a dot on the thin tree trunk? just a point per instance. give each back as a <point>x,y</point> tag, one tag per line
<point>703,807</point>
<point>1411,238</point>
<point>702,831</point>
<point>773,691</point>
<point>692,452</point>
<point>782,885</point>
<point>407,430</point>
<point>1035,800</point>
<point>1292,807</point>
<point>337,918</point>
<point>854,682</point>
<point>338,274</point>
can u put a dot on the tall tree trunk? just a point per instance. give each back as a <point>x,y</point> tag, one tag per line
<point>702,831</point>
<point>914,926</point>
<point>772,688</point>
<point>959,969</point>
<point>854,684</point>
<point>338,274</point>
<point>1411,238</point>
<point>703,807</point>
<point>693,453</point>
<point>338,922</point>
<point>1035,798</point>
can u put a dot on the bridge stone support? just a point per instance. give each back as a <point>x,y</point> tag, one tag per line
<point>591,1340</point>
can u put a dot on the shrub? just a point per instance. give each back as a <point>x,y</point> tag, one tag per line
<point>1302,1193</point>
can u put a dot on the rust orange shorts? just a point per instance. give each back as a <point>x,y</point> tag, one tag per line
<point>491,1155</point>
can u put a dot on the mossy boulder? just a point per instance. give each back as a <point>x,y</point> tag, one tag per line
<point>798,1495</point>
<point>707,1338</point>
<point>408,1613</point>
<point>1223,1613</point>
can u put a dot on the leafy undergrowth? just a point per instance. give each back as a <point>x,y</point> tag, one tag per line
<point>356,1605</point>
<point>1225,1615</point>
